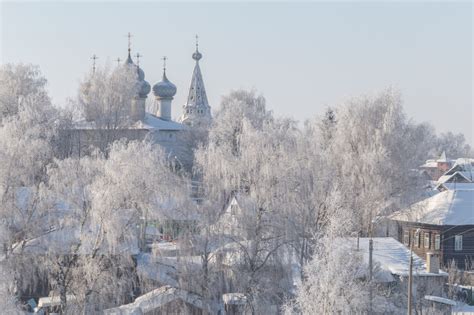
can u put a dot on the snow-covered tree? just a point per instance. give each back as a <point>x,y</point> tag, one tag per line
<point>21,86</point>
<point>246,156</point>
<point>105,96</point>
<point>27,132</point>
<point>453,144</point>
<point>104,201</point>
<point>380,149</point>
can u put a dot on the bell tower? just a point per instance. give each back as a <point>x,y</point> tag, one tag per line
<point>196,111</point>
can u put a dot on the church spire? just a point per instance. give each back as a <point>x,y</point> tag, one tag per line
<point>196,109</point>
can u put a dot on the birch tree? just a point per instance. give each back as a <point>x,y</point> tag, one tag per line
<point>246,153</point>
<point>21,85</point>
<point>27,129</point>
<point>380,149</point>
<point>105,96</point>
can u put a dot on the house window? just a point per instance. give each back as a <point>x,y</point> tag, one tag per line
<point>417,239</point>
<point>233,209</point>
<point>437,244</point>
<point>406,237</point>
<point>458,242</point>
<point>427,240</point>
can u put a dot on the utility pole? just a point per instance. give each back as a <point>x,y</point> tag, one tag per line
<point>371,249</point>
<point>410,280</point>
<point>358,240</point>
<point>410,275</point>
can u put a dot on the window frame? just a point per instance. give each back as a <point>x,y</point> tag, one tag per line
<point>406,237</point>
<point>437,242</point>
<point>417,239</point>
<point>427,240</point>
<point>458,241</point>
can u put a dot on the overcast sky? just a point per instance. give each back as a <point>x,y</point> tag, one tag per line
<point>301,57</point>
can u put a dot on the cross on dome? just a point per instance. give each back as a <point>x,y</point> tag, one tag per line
<point>138,58</point>
<point>164,63</point>
<point>94,58</point>
<point>197,55</point>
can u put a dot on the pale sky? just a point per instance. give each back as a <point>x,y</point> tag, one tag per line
<point>301,56</point>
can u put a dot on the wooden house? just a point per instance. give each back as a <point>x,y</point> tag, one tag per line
<point>442,224</point>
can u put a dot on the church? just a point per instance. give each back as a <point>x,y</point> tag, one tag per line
<point>154,123</point>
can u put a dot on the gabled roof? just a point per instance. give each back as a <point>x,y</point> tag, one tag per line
<point>463,166</point>
<point>457,177</point>
<point>450,207</point>
<point>430,164</point>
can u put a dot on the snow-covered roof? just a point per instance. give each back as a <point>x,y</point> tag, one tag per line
<point>463,309</point>
<point>392,258</point>
<point>152,122</point>
<point>430,164</point>
<point>441,300</point>
<point>234,298</point>
<point>457,177</point>
<point>155,299</point>
<point>154,269</point>
<point>53,300</point>
<point>463,164</point>
<point>450,207</point>
<point>455,186</point>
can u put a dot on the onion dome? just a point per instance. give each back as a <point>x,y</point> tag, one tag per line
<point>144,89</point>
<point>143,86</point>
<point>164,88</point>
<point>141,74</point>
<point>197,55</point>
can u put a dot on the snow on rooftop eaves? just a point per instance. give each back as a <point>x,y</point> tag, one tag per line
<point>430,164</point>
<point>463,166</point>
<point>457,177</point>
<point>455,186</point>
<point>441,300</point>
<point>450,207</point>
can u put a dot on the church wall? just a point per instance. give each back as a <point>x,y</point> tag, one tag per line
<point>82,142</point>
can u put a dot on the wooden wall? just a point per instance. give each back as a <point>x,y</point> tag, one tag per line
<point>447,250</point>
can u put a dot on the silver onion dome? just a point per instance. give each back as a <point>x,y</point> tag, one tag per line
<point>164,88</point>
<point>144,88</point>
